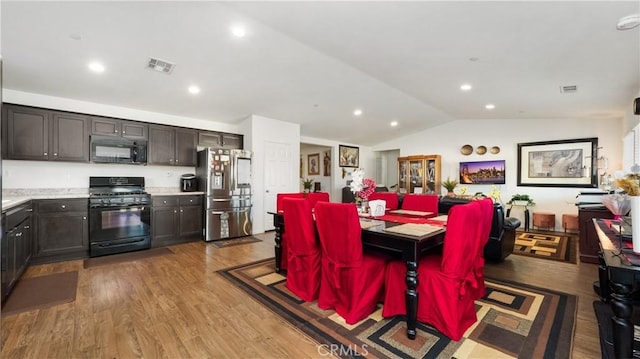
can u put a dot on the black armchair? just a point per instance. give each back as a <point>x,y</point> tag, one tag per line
<point>503,230</point>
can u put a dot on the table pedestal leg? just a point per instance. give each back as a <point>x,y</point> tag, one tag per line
<point>526,219</point>
<point>603,280</point>
<point>278,249</point>
<point>621,321</point>
<point>411,298</point>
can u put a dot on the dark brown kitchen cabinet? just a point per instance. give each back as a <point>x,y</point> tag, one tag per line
<point>62,230</point>
<point>175,219</point>
<point>121,128</point>
<point>219,140</point>
<point>16,245</point>
<point>37,134</point>
<point>588,242</point>
<point>172,146</point>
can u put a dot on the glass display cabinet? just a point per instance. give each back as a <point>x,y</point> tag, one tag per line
<point>419,174</point>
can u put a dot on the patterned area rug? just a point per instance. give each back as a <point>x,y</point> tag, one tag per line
<point>557,246</point>
<point>514,321</point>
<point>223,243</point>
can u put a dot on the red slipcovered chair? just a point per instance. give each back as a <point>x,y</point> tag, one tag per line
<point>446,282</point>
<point>486,215</point>
<point>351,281</point>
<point>303,273</point>
<point>421,202</point>
<point>315,197</point>
<point>284,260</point>
<point>390,197</point>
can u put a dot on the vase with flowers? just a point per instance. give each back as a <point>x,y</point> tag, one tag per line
<point>307,184</point>
<point>362,188</point>
<point>630,185</point>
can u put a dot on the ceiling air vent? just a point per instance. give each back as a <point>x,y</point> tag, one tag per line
<point>160,65</point>
<point>569,89</point>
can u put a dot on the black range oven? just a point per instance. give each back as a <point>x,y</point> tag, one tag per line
<point>119,215</point>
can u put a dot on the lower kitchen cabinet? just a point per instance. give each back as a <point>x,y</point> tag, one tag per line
<point>175,219</point>
<point>16,245</point>
<point>62,230</point>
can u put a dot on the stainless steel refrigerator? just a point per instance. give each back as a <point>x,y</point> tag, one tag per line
<point>225,177</point>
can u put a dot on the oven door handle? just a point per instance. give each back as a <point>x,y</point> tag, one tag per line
<point>108,244</point>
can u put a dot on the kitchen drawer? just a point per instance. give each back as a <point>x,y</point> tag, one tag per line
<point>18,214</point>
<point>63,205</point>
<point>190,200</point>
<point>164,201</point>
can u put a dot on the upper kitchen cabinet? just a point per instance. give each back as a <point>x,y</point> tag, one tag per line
<point>38,134</point>
<point>121,128</point>
<point>219,140</point>
<point>172,146</point>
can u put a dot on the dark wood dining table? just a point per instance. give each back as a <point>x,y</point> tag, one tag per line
<point>376,238</point>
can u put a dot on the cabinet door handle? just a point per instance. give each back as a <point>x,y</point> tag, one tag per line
<point>124,132</point>
<point>175,211</point>
<point>164,202</point>
<point>55,153</point>
<point>19,234</point>
<point>29,209</point>
<point>190,201</point>
<point>45,153</point>
<point>84,217</point>
<point>63,206</point>
<point>181,210</point>
<point>116,131</point>
<point>27,227</point>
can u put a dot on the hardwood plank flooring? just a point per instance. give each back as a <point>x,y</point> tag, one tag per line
<point>174,306</point>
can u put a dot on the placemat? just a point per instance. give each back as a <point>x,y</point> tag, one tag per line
<point>442,218</point>
<point>414,229</point>
<point>411,213</point>
<point>402,219</point>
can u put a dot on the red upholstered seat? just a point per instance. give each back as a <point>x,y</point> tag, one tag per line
<point>446,282</point>
<point>315,197</point>
<point>284,261</point>
<point>421,202</point>
<point>486,215</point>
<point>390,197</point>
<point>352,281</point>
<point>303,272</point>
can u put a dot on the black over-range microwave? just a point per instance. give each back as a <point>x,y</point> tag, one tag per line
<point>118,150</point>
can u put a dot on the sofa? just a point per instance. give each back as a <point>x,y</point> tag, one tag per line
<point>503,230</point>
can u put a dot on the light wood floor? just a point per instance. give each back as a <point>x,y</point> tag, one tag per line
<point>176,307</point>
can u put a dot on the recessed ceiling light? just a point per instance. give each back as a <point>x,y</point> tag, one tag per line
<point>393,123</point>
<point>238,31</point>
<point>465,87</point>
<point>96,67</point>
<point>193,89</point>
<point>628,22</point>
<point>490,106</point>
<point>357,112</point>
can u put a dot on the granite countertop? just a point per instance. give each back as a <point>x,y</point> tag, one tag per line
<point>15,197</point>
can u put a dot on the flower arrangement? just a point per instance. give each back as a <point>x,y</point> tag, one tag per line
<point>449,184</point>
<point>307,184</point>
<point>361,187</point>
<point>629,184</point>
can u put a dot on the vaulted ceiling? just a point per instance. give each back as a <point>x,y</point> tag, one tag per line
<point>314,63</point>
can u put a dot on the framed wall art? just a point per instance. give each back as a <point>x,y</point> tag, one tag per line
<point>326,161</point>
<point>349,156</point>
<point>560,163</point>
<point>313,164</point>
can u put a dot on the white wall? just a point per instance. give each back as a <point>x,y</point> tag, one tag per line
<point>265,129</point>
<point>447,140</point>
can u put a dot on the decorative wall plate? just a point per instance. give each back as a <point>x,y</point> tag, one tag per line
<point>481,150</point>
<point>495,150</point>
<point>466,150</point>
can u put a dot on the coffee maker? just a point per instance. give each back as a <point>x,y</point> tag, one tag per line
<point>188,182</point>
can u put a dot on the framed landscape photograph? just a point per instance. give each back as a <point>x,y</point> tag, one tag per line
<point>482,172</point>
<point>313,164</point>
<point>560,163</point>
<point>348,156</point>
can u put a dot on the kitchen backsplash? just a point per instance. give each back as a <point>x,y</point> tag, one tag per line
<point>68,175</point>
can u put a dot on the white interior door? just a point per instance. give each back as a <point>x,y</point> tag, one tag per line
<point>278,176</point>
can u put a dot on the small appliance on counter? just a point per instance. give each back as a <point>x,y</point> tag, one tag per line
<point>188,182</point>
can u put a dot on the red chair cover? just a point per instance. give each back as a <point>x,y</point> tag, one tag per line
<point>284,260</point>
<point>303,273</point>
<point>486,210</point>
<point>351,281</point>
<point>390,197</point>
<point>445,282</point>
<point>315,197</point>
<point>421,202</point>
